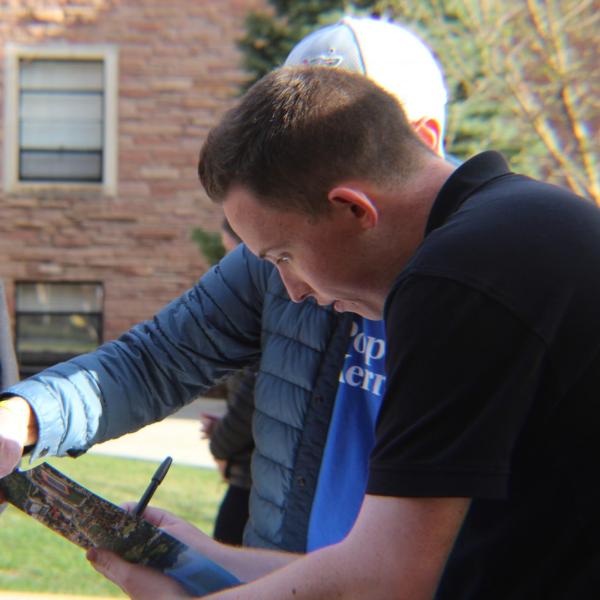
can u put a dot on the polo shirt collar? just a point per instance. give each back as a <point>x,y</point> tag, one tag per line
<point>463,182</point>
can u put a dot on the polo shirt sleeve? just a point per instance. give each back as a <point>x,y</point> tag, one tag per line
<point>462,372</point>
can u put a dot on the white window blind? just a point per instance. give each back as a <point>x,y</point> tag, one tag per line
<point>61,123</point>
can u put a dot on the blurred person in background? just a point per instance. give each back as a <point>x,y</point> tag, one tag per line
<point>230,440</point>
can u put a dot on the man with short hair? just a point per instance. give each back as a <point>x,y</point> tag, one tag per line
<point>479,480</point>
<point>321,374</point>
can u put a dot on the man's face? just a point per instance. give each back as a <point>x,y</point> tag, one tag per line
<point>324,258</point>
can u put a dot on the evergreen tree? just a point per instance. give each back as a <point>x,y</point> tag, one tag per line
<point>209,243</point>
<point>522,77</point>
<point>269,38</point>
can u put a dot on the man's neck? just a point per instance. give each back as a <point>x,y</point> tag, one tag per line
<point>403,215</point>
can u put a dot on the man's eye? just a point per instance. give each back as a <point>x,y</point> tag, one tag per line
<point>282,259</point>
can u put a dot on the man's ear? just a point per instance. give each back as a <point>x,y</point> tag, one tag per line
<point>430,131</point>
<point>359,205</point>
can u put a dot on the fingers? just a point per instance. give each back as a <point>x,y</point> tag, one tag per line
<point>138,582</point>
<point>207,424</point>
<point>18,421</point>
<point>178,528</point>
<point>10,455</point>
<point>209,416</point>
<point>156,516</point>
<point>18,427</point>
<point>112,567</point>
<point>128,506</point>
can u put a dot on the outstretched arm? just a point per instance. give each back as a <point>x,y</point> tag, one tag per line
<point>154,368</point>
<point>397,550</point>
<point>142,582</point>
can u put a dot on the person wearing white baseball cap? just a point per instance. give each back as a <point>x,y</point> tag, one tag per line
<point>393,57</point>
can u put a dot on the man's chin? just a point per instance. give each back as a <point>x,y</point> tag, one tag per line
<point>340,307</point>
<point>358,309</point>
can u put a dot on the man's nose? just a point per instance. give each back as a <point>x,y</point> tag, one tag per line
<point>296,288</point>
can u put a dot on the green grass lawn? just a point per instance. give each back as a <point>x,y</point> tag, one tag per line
<point>35,559</point>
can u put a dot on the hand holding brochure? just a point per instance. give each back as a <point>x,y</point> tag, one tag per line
<point>89,521</point>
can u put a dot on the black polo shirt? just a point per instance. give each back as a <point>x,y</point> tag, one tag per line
<point>493,375</point>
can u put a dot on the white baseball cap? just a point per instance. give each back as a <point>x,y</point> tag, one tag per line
<point>389,54</point>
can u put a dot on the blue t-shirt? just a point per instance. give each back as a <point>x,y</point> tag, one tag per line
<point>343,475</point>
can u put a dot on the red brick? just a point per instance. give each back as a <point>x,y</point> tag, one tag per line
<point>178,73</point>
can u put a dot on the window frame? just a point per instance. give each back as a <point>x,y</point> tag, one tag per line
<point>48,359</point>
<point>108,54</point>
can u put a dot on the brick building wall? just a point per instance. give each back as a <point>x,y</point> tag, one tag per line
<point>178,71</point>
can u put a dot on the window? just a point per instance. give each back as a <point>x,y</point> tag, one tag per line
<point>60,116</point>
<point>60,120</point>
<point>56,321</point>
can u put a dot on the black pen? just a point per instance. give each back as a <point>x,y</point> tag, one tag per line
<point>154,483</point>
